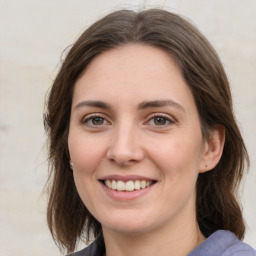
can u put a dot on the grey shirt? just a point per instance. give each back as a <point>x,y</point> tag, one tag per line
<point>220,243</point>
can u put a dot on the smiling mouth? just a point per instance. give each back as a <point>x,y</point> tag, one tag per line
<point>127,186</point>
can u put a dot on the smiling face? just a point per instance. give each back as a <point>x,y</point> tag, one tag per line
<point>135,141</point>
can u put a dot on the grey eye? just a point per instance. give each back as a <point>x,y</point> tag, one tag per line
<point>97,120</point>
<point>158,120</point>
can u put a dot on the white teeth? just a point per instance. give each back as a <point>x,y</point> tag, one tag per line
<point>127,186</point>
<point>137,184</point>
<point>120,185</point>
<point>108,183</point>
<point>114,185</point>
<point>143,184</point>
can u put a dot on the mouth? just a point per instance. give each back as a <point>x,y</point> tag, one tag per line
<point>127,186</point>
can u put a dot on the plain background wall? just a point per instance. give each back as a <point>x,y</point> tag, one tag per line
<point>33,36</point>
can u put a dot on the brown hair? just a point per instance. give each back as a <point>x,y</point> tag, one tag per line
<point>217,206</point>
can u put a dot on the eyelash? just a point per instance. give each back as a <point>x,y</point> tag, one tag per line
<point>165,117</point>
<point>90,118</point>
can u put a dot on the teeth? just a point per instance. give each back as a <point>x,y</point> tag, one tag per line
<point>127,186</point>
<point>137,184</point>
<point>143,184</point>
<point>108,183</point>
<point>113,183</point>
<point>120,185</point>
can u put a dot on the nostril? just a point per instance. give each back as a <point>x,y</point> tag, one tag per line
<point>125,158</point>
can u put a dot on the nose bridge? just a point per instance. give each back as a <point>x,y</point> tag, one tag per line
<point>125,144</point>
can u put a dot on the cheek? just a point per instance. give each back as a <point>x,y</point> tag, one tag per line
<point>179,165</point>
<point>86,153</point>
<point>179,157</point>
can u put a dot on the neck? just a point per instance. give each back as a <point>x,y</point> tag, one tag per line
<point>178,240</point>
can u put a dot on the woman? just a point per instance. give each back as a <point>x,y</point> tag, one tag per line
<point>144,150</point>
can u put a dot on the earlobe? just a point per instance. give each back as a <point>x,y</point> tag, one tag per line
<point>213,149</point>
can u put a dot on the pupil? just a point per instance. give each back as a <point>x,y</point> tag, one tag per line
<point>97,120</point>
<point>160,120</point>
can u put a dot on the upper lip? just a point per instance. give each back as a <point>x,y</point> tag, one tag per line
<point>126,178</point>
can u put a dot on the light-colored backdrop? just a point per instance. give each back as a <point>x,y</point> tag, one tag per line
<point>32,37</point>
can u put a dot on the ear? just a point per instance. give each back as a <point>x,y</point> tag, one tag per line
<point>213,149</point>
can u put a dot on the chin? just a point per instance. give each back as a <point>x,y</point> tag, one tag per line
<point>127,224</point>
<point>128,229</point>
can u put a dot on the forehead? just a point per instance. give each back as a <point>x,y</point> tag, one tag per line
<point>132,72</point>
<point>136,58</point>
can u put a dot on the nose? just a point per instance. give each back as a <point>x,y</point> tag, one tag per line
<point>125,148</point>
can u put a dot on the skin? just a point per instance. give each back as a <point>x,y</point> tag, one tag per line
<point>127,138</point>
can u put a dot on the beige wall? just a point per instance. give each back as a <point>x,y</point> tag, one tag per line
<point>33,35</point>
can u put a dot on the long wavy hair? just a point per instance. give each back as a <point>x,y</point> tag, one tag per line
<point>216,204</point>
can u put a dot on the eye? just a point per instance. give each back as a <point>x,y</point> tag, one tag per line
<point>97,120</point>
<point>160,120</point>
<point>94,120</point>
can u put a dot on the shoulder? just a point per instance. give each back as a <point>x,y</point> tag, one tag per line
<point>235,247</point>
<point>85,252</point>
<point>223,243</point>
<point>90,250</point>
<point>97,248</point>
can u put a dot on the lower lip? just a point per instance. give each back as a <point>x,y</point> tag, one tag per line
<point>126,196</point>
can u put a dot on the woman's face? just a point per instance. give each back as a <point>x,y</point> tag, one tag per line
<point>135,141</point>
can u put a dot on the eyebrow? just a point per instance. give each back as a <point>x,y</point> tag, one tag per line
<point>160,103</point>
<point>93,103</point>
<point>142,105</point>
